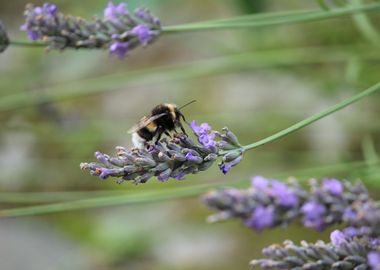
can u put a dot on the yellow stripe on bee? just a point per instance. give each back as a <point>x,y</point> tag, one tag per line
<point>151,127</point>
<point>171,108</point>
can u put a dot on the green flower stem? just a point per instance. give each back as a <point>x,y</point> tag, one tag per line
<point>50,197</point>
<point>125,199</point>
<point>27,44</point>
<point>281,20</point>
<point>314,118</point>
<point>114,198</point>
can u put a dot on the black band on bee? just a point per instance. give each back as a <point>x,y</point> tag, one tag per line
<point>145,134</point>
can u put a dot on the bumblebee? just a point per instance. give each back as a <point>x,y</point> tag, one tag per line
<point>163,119</point>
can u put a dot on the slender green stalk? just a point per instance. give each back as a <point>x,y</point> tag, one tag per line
<point>370,154</point>
<point>323,4</point>
<point>49,197</point>
<point>146,197</point>
<point>369,150</point>
<point>27,44</point>
<point>314,118</point>
<point>340,3</point>
<point>364,25</point>
<point>233,23</point>
<point>257,17</point>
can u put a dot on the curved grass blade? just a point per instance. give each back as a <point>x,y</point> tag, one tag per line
<point>314,118</point>
<point>215,66</point>
<point>280,20</point>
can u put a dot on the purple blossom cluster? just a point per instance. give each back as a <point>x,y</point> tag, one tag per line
<point>343,252</point>
<point>269,203</point>
<point>118,30</point>
<point>174,158</point>
<point>227,142</point>
<point>4,40</point>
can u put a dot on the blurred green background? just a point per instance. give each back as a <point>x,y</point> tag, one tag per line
<point>58,108</point>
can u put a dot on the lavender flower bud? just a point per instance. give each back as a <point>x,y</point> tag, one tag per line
<point>211,157</point>
<point>145,162</point>
<point>324,205</point>
<point>147,16</point>
<point>207,138</point>
<point>225,145</point>
<point>230,160</point>
<point>117,30</point>
<point>341,253</point>
<point>338,238</point>
<point>163,176</point>
<point>193,158</point>
<point>231,156</point>
<point>229,137</point>
<point>166,159</point>
<point>4,40</point>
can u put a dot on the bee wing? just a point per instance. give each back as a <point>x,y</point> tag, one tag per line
<point>144,122</point>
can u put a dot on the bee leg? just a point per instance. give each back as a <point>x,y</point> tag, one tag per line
<point>160,131</point>
<point>168,134</point>
<point>183,130</point>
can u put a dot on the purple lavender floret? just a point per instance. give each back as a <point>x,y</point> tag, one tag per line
<point>143,33</point>
<point>364,215</point>
<point>4,40</point>
<point>225,141</point>
<point>261,218</point>
<point>285,196</point>
<point>113,12</point>
<point>341,253</point>
<point>120,49</point>
<point>313,214</point>
<point>317,208</point>
<point>333,186</point>
<point>174,158</point>
<point>338,238</point>
<point>203,131</point>
<point>373,259</point>
<point>118,31</point>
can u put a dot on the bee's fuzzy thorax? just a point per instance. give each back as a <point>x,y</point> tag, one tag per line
<point>163,119</point>
<point>172,109</point>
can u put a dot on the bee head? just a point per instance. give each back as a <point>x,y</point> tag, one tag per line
<point>178,117</point>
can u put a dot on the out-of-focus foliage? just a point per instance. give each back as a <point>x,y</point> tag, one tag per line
<point>255,81</point>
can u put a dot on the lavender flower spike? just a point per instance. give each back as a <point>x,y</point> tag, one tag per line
<point>344,253</point>
<point>118,31</point>
<point>281,204</point>
<point>4,40</point>
<point>227,141</point>
<point>166,159</point>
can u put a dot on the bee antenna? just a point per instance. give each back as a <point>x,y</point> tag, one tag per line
<point>187,104</point>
